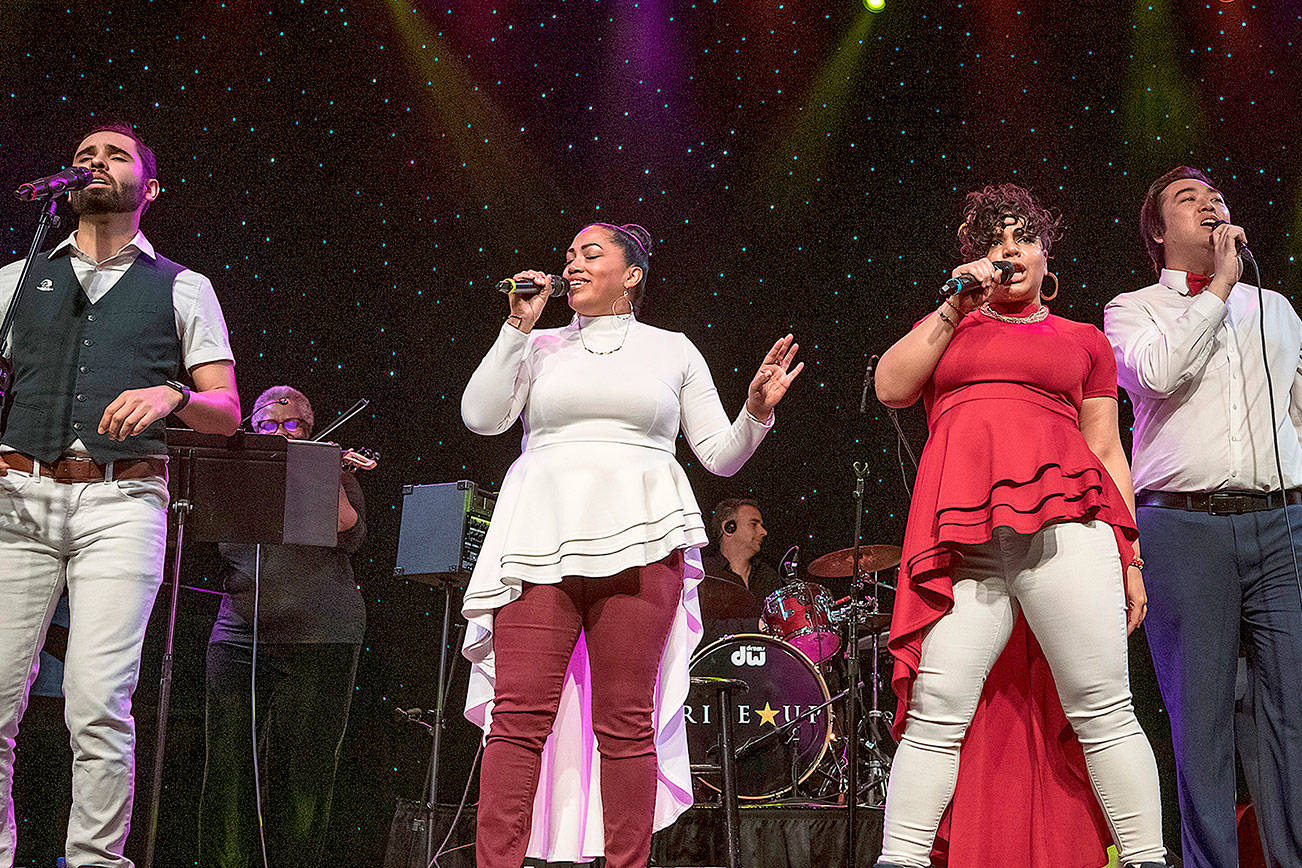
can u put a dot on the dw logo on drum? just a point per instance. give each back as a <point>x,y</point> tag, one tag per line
<point>749,655</point>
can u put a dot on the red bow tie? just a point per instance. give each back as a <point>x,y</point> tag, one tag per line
<point>1197,282</point>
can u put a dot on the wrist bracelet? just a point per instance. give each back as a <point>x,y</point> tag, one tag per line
<point>183,389</point>
<point>1137,562</point>
<point>940,313</point>
<point>519,326</point>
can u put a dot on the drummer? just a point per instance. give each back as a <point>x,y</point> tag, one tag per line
<point>737,579</point>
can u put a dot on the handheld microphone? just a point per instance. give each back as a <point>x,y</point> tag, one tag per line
<point>964,281</point>
<point>556,286</point>
<point>1244,252</point>
<point>75,178</point>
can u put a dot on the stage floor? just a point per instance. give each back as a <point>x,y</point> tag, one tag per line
<point>772,836</point>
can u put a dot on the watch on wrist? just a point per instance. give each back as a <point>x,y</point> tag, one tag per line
<point>183,389</point>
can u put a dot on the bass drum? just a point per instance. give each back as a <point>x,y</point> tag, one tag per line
<point>784,685</point>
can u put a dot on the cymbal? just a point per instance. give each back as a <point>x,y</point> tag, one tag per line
<point>725,598</point>
<point>834,565</point>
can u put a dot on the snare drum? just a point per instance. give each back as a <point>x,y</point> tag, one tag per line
<point>800,614</point>
<point>783,686</point>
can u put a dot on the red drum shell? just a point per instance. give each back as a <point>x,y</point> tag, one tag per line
<point>800,614</point>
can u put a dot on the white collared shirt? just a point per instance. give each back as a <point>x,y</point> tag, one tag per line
<point>199,321</point>
<point>1193,369</point>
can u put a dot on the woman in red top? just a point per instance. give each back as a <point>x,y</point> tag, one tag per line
<point>1009,632</point>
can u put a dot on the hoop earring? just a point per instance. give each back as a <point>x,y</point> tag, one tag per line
<point>626,298</point>
<point>1043,296</point>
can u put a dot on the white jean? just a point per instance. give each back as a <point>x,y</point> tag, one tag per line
<point>1066,579</point>
<point>105,541</point>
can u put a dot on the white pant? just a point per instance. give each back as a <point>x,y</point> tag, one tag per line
<point>105,541</point>
<point>1066,579</point>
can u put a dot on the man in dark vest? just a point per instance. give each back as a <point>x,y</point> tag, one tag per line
<point>105,333</point>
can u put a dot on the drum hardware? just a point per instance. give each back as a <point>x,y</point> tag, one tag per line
<point>789,565</point>
<point>871,620</point>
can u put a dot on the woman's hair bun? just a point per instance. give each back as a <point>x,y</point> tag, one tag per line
<point>643,237</point>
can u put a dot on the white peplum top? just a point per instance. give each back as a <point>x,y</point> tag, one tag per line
<point>596,490</point>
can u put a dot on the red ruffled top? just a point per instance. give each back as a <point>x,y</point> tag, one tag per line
<point>1004,450</point>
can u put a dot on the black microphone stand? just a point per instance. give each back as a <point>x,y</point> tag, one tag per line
<point>49,217</point>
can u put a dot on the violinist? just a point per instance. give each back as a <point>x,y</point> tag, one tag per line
<point>310,620</point>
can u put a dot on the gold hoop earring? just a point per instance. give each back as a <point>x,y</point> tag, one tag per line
<point>626,298</point>
<point>1043,296</point>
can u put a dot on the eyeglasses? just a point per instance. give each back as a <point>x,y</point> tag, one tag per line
<point>270,426</point>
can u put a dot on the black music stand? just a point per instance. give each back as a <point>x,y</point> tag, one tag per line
<point>249,488</point>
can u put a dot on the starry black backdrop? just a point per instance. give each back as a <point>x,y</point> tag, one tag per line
<point>355,176</point>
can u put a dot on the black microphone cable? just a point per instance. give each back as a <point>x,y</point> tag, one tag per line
<point>461,806</point>
<point>901,442</point>
<point>1274,420</point>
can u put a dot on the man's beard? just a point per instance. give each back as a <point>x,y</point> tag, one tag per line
<point>114,199</point>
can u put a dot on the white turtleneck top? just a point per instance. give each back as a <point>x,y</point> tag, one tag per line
<point>596,490</point>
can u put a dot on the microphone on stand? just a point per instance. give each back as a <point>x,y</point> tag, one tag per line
<point>260,406</point>
<point>790,564</point>
<point>867,382</point>
<point>965,281</point>
<point>556,286</point>
<point>75,178</point>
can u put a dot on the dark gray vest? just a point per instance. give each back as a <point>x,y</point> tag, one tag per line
<point>72,358</point>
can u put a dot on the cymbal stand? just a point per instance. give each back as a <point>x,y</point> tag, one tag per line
<point>852,675</point>
<point>792,744</point>
<point>878,761</point>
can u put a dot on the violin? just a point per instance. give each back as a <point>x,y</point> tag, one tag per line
<point>359,459</point>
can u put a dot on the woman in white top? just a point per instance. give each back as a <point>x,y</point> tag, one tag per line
<point>582,608</point>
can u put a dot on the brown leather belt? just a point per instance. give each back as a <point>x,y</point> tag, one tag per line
<point>1219,502</point>
<point>87,470</point>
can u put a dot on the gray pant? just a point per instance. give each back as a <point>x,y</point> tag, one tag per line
<point>1066,579</point>
<point>1216,582</point>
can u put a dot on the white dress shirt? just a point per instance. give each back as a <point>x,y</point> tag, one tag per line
<point>1192,366</point>
<point>199,321</point>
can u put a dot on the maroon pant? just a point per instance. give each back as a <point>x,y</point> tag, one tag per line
<point>625,620</point>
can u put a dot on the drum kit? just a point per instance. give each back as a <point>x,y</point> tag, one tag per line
<point>791,726</point>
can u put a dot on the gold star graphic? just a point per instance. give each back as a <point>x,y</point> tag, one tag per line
<point>768,715</point>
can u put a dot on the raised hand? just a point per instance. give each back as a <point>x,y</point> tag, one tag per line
<point>529,307</point>
<point>987,276</point>
<point>773,378</point>
<point>1225,241</point>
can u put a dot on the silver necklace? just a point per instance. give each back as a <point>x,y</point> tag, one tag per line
<point>1040,315</point>
<point>624,337</point>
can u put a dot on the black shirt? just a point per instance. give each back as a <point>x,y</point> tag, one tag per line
<point>307,594</point>
<point>764,580</point>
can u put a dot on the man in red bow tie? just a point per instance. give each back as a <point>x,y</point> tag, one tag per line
<point>1214,429</point>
